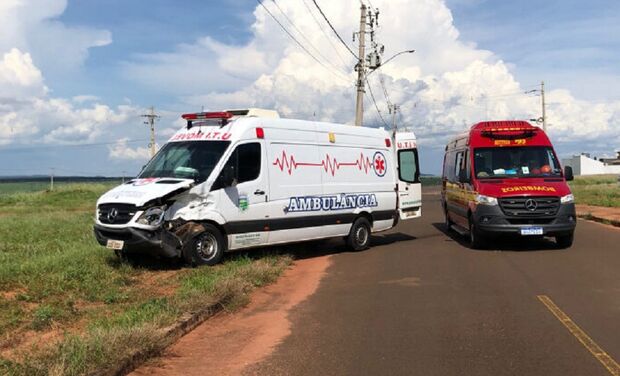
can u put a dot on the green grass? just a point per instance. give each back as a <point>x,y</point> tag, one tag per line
<point>55,278</point>
<point>598,190</point>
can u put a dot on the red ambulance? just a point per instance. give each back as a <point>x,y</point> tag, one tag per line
<point>504,178</point>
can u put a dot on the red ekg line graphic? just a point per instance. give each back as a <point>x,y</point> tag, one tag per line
<point>331,165</point>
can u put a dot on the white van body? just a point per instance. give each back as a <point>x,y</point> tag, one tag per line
<point>293,180</point>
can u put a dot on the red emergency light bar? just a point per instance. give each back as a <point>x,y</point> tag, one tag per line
<point>222,116</point>
<point>208,115</point>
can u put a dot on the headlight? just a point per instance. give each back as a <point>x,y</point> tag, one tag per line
<point>152,216</point>
<point>486,200</point>
<point>567,199</point>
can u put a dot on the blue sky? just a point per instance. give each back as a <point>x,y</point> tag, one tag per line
<point>120,56</point>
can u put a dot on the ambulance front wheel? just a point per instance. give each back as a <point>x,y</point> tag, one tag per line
<point>565,241</point>
<point>207,248</point>
<point>476,240</point>
<point>359,236</point>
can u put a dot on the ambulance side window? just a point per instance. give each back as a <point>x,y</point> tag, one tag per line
<point>458,166</point>
<point>248,162</point>
<point>408,166</point>
<point>244,165</point>
<point>449,167</point>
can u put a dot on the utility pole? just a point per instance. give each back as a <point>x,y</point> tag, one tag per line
<point>543,119</point>
<point>361,69</point>
<point>544,109</point>
<point>52,179</point>
<point>151,117</point>
<point>393,110</point>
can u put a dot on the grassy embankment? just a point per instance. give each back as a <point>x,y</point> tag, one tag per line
<point>70,307</point>
<point>599,190</point>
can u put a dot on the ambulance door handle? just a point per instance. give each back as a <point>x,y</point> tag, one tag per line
<point>258,192</point>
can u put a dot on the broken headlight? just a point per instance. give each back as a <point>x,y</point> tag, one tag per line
<point>152,216</point>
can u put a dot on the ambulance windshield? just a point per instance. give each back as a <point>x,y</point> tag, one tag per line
<point>185,160</point>
<point>507,162</point>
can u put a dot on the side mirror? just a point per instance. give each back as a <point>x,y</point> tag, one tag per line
<point>463,176</point>
<point>568,173</point>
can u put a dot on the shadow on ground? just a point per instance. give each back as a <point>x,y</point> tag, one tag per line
<point>514,244</point>
<point>299,251</point>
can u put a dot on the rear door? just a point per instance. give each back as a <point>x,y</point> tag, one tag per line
<point>409,186</point>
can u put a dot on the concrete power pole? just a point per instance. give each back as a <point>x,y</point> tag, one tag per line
<point>361,70</point>
<point>544,107</point>
<point>151,117</point>
<point>393,110</point>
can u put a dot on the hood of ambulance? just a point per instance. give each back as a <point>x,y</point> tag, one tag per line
<point>523,187</point>
<point>140,191</point>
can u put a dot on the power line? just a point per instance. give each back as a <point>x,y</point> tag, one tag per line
<point>295,39</point>
<point>304,36</point>
<point>333,29</point>
<point>329,39</point>
<point>372,96</point>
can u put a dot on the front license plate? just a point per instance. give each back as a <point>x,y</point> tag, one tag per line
<point>532,231</point>
<point>115,244</point>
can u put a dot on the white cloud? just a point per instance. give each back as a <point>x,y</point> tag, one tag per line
<point>28,114</point>
<point>33,26</point>
<point>122,151</point>
<point>442,88</point>
<point>19,77</point>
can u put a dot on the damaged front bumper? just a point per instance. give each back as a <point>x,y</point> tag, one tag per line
<point>159,242</point>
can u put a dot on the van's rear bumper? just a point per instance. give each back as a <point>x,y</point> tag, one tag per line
<point>135,240</point>
<point>491,220</point>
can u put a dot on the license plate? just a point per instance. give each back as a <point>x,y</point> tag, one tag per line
<point>115,244</point>
<point>532,231</point>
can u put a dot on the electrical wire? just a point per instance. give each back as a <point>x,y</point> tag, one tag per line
<point>329,39</point>
<point>334,30</point>
<point>296,41</point>
<point>372,96</point>
<point>309,43</point>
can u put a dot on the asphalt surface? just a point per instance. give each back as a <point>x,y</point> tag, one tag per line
<point>420,302</point>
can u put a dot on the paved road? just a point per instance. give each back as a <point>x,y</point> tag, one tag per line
<point>422,303</point>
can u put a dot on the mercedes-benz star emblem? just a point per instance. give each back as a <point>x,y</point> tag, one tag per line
<point>112,214</point>
<point>531,205</point>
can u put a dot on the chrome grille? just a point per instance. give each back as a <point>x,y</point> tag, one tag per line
<point>527,207</point>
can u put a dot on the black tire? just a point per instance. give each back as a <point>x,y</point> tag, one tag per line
<point>564,241</point>
<point>476,240</point>
<point>359,236</point>
<point>447,221</point>
<point>206,248</point>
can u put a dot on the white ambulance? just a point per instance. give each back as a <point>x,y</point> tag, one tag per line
<point>247,178</point>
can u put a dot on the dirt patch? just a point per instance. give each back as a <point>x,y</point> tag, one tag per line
<point>228,343</point>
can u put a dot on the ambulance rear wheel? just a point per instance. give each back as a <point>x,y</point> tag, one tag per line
<point>207,248</point>
<point>447,221</point>
<point>476,241</point>
<point>359,236</point>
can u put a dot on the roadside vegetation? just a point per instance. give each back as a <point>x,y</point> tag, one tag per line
<point>597,190</point>
<point>70,307</point>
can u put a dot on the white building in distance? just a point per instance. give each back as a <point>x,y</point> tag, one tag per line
<point>584,165</point>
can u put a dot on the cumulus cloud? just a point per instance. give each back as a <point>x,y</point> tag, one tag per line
<point>445,86</point>
<point>33,26</point>
<point>28,114</point>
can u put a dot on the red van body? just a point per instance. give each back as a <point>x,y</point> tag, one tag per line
<point>504,178</point>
